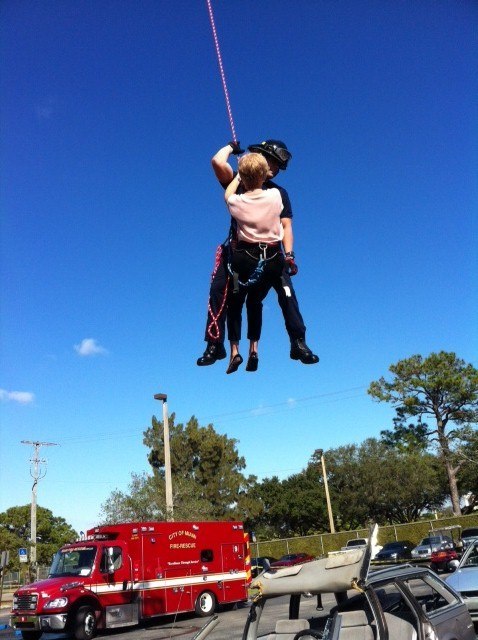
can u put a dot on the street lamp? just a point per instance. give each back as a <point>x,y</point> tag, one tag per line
<point>327,495</point>
<point>167,457</point>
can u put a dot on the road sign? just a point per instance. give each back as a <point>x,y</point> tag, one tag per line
<point>23,555</point>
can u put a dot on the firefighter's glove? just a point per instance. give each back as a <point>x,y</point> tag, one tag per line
<point>236,147</point>
<point>290,262</point>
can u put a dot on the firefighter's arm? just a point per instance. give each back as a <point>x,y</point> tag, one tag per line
<point>221,167</point>
<point>288,239</point>
<point>232,187</point>
<point>288,244</point>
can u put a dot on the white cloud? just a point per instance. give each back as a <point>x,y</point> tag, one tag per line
<point>22,397</point>
<point>291,402</point>
<point>89,347</point>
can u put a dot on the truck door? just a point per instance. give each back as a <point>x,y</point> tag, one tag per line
<point>233,563</point>
<point>114,587</point>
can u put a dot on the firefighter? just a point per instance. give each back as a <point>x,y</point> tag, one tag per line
<point>277,156</point>
<point>256,258</point>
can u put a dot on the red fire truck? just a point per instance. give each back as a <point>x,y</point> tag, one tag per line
<point>122,574</point>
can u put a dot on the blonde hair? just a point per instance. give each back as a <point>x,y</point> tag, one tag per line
<point>253,169</point>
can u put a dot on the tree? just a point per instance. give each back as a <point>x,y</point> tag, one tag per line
<point>146,500</point>
<point>294,506</point>
<point>52,533</point>
<point>467,456</point>
<point>442,387</point>
<point>372,481</point>
<point>207,462</point>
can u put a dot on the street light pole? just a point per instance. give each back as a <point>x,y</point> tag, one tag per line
<point>327,495</point>
<point>167,457</point>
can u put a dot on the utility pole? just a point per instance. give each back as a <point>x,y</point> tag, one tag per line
<point>327,494</point>
<point>37,473</point>
<point>167,457</point>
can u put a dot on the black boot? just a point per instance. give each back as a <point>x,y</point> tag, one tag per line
<point>300,351</point>
<point>214,351</point>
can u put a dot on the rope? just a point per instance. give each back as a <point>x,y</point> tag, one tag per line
<point>221,69</point>
<point>213,330</point>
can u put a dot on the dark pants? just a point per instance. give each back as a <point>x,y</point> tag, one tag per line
<point>244,262</point>
<point>216,316</point>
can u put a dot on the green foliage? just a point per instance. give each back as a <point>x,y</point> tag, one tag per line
<point>52,533</point>
<point>294,506</point>
<point>467,457</point>
<point>146,500</point>
<point>373,482</point>
<point>442,387</point>
<point>207,478</point>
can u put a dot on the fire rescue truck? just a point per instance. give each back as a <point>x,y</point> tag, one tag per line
<point>122,574</point>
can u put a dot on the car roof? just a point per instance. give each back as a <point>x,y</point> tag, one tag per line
<point>400,571</point>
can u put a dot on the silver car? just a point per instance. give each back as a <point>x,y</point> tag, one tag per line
<point>397,603</point>
<point>465,579</point>
<point>430,544</point>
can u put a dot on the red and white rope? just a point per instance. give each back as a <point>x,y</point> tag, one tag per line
<point>221,70</point>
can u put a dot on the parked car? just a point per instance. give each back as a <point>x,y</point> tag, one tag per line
<point>290,559</point>
<point>465,578</point>
<point>397,603</point>
<point>258,564</point>
<point>357,543</point>
<point>468,535</point>
<point>440,560</point>
<point>354,543</point>
<point>397,550</point>
<point>427,546</point>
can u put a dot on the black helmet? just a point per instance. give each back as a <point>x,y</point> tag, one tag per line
<point>276,149</point>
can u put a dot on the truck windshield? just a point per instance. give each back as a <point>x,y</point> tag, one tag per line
<point>73,562</point>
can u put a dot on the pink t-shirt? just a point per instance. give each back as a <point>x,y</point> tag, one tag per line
<point>257,215</point>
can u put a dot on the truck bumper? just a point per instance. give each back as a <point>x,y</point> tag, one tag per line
<point>52,622</point>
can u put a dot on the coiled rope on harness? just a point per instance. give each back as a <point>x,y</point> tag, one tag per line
<point>221,69</point>
<point>213,330</point>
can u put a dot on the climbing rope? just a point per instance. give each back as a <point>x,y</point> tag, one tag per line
<point>221,70</point>
<point>213,330</point>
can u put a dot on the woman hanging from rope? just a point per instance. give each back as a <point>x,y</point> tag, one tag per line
<point>256,260</point>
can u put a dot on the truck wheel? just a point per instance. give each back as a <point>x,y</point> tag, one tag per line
<point>205,604</point>
<point>31,635</point>
<point>85,624</point>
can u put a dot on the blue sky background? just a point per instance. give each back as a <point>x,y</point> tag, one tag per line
<point>111,111</point>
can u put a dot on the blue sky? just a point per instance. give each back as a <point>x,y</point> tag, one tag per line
<point>111,111</point>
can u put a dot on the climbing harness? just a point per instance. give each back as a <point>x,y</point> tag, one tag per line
<point>258,271</point>
<point>221,70</point>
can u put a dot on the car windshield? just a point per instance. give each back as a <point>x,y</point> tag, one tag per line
<point>471,559</point>
<point>73,562</point>
<point>392,545</point>
<point>470,533</point>
<point>429,541</point>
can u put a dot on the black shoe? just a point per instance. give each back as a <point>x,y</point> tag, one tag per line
<point>253,362</point>
<point>300,351</point>
<point>215,351</point>
<point>234,364</point>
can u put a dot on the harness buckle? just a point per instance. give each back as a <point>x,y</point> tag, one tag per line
<point>263,247</point>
